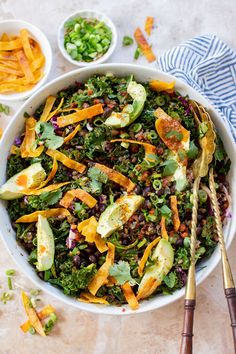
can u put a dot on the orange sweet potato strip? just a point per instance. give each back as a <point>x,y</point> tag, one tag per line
<point>24,36</point>
<point>174,208</point>
<point>130,297</point>
<point>47,108</point>
<point>65,160</point>
<point>32,314</point>
<point>145,256</point>
<point>24,64</point>
<point>80,115</point>
<point>149,25</point>
<point>144,46</point>
<point>102,274</point>
<point>116,177</point>
<point>80,194</point>
<point>50,213</point>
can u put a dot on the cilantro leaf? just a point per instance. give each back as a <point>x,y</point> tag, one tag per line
<point>170,166</point>
<point>95,174</point>
<point>170,280</point>
<point>174,133</point>
<point>165,211</point>
<point>121,272</point>
<point>51,197</point>
<point>193,150</point>
<point>46,133</point>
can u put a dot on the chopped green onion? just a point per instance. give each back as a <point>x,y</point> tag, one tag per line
<point>127,41</point>
<point>160,101</point>
<point>31,330</point>
<point>186,242</point>
<point>136,127</point>
<point>157,184</point>
<point>9,282</point>
<point>165,211</point>
<point>202,195</point>
<point>152,135</point>
<point>35,292</point>
<point>6,297</point>
<point>142,243</point>
<point>50,323</point>
<point>137,53</point>
<point>4,109</point>
<point>97,122</point>
<point>10,272</point>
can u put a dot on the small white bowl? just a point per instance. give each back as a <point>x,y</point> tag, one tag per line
<point>13,27</point>
<point>87,14</point>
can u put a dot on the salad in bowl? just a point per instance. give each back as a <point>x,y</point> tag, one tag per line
<point>99,189</point>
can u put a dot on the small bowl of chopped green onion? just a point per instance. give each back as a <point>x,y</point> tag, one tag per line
<point>87,37</point>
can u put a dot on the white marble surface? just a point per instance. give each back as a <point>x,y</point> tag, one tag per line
<point>151,333</point>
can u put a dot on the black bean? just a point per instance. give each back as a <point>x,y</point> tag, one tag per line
<point>77,260</point>
<point>146,191</point>
<point>41,275</point>
<point>161,192</point>
<point>141,217</point>
<point>92,258</point>
<point>137,189</point>
<point>107,112</point>
<point>179,241</point>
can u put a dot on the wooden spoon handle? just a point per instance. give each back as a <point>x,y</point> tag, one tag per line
<point>187,334</point>
<point>230,295</point>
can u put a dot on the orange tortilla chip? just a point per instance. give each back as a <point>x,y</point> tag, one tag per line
<point>159,86</point>
<point>14,150</point>
<point>24,36</point>
<point>146,254</point>
<point>27,147</point>
<point>44,313</point>
<point>88,228</point>
<point>130,297</point>
<point>80,115</point>
<point>4,69</point>
<point>47,189</point>
<point>144,46</point>
<point>80,194</point>
<point>50,213</point>
<point>164,233</point>
<point>174,208</point>
<point>72,134</point>
<point>51,174</point>
<point>47,108</point>
<point>102,274</point>
<point>149,25</point>
<point>148,288</point>
<point>32,315</point>
<point>25,67</point>
<point>116,177</point>
<point>87,297</point>
<point>100,243</point>
<point>149,148</point>
<point>11,45</point>
<point>59,156</point>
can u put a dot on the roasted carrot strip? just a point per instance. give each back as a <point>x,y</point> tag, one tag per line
<point>47,108</point>
<point>146,254</point>
<point>164,233</point>
<point>80,194</point>
<point>116,177</point>
<point>149,25</point>
<point>129,295</point>
<point>143,44</point>
<point>102,274</point>
<point>80,115</point>
<point>24,64</point>
<point>65,160</point>
<point>50,213</point>
<point>24,36</point>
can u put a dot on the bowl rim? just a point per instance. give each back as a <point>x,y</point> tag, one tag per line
<point>105,56</point>
<point>215,258</point>
<point>44,42</point>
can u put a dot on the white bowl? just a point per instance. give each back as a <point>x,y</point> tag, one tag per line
<point>141,74</point>
<point>13,27</point>
<point>87,14</point>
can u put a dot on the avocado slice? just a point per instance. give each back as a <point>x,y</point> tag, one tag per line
<point>131,111</point>
<point>163,256</point>
<point>45,244</point>
<point>30,177</point>
<point>117,214</point>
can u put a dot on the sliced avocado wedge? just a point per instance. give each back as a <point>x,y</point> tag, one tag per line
<point>30,177</point>
<point>117,214</point>
<point>45,244</point>
<point>163,256</point>
<point>131,111</point>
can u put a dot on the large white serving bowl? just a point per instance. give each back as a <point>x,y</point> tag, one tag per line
<point>141,74</point>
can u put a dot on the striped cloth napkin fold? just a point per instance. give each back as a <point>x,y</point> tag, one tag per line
<point>208,65</point>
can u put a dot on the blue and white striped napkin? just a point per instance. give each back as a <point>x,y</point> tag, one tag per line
<point>208,65</point>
